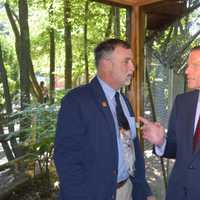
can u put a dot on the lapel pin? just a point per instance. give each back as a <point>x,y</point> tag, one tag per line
<point>104,104</point>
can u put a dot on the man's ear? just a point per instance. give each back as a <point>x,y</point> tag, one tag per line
<point>106,64</point>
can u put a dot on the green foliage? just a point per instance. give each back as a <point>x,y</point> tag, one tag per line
<point>40,136</point>
<point>40,23</point>
<point>172,45</point>
<point>168,49</point>
<point>166,59</point>
<point>11,66</point>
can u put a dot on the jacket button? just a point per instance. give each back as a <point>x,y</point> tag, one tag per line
<point>113,196</point>
<point>191,167</point>
<point>115,172</point>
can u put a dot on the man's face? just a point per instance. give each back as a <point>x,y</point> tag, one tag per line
<point>193,70</point>
<point>121,68</point>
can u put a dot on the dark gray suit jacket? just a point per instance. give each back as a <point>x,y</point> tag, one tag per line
<point>184,181</point>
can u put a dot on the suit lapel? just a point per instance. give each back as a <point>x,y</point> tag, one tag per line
<point>194,101</point>
<point>102,103</point>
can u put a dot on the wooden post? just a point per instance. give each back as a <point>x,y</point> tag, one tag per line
<point>137,43</point>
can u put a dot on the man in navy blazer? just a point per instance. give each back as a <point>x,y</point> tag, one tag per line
<point>184,181</point>
<point>87,149</point>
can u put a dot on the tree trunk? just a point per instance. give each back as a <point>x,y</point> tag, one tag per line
<point>15,31</point>
<point>8,102</point>
<point>86,42</point>
<point>117,22</point>
<point>109,25</point>
<point>37,92</point>
<point>128,25</point>
<point>6,147</point>
<point>34,84</point>
<point>68,44</point>
<point>25,63</point>
<point>3,77</point>
<point>52,57</point>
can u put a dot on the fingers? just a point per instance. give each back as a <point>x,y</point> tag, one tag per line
<point>143,120</point>
<point>158,124</point>
<point>152,131</point>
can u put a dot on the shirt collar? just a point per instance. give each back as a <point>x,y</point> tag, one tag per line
<point>199,97</point>
<point>109,91</point>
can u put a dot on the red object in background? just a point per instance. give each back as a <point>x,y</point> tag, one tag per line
<point>59,82</point>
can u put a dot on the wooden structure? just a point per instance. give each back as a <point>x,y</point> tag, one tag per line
<point>146,14</point>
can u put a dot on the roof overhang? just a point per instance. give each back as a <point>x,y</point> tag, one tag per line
<point>125,3</point>
<point>160,13</point>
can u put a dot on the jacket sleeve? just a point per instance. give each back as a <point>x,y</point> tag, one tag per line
<point>68,151</point>
<point>171,146</point>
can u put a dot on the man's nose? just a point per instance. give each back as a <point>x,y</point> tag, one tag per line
<point>187,69</point>
<point>132,66</point>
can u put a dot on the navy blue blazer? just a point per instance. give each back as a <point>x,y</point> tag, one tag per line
<point>86,153</point>
<point>184,181</point>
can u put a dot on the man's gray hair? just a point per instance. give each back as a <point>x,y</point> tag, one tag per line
<point>107,47</point>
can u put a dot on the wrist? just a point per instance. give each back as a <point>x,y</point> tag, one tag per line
<point>162,141</point>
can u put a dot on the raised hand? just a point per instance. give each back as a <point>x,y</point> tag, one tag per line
<point>153,131</point>
<point>151,198</point>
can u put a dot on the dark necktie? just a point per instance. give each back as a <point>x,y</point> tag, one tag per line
<point>196,137</point>
<point>125,136</point>
<point>121,118</point>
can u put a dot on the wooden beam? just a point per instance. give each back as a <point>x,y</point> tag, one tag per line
<point>145,2</point>
<point>137,42</point>
<point>119,3</point>
<point>125,3</point>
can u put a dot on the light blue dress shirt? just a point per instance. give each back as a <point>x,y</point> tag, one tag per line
<point>110,96</point>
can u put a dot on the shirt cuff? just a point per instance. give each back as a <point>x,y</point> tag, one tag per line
<point>159,150</point>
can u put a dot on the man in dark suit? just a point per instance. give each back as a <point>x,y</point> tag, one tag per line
<point>92,159</point>
<point>183,136</point>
